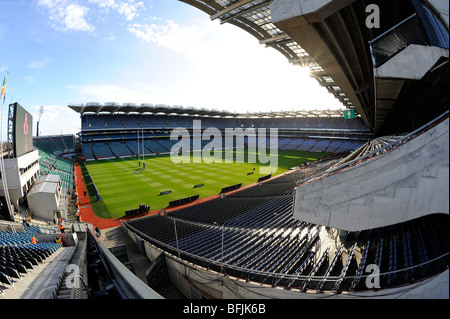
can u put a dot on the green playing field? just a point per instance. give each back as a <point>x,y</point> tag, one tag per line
<point>124,185</point>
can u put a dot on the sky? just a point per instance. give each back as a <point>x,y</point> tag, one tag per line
<point>61,52</point>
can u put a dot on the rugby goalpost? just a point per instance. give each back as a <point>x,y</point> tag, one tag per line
<point>140,149</point>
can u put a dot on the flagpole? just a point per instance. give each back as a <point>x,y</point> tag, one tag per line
<point>2,160</point>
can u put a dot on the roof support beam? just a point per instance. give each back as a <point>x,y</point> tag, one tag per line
<point>262,4</point>
<point>229,8</point>
<point>271,40</point>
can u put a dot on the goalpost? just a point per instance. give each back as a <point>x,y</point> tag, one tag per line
<point>141,149</point>
<point>139,155</point>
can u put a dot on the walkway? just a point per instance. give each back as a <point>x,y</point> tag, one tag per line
<point>41,282</point>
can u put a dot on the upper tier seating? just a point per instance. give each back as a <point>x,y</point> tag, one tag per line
<point>102,122</point>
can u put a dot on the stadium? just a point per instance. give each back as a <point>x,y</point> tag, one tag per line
<point>148,207</point>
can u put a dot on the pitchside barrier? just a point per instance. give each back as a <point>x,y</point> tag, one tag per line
<point>183,201</point>
<point>141,210</point>
<point>89,183</point>
<point>230,188</point>
<point>263,178</point>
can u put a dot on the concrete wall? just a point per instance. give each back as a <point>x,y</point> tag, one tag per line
<point>406,183</point>
<point>69,239</point>
<point>423,58</point>
<point>18,184</point>
<point>441,6</point>
<point>43,205</point>
<point>312,10</point>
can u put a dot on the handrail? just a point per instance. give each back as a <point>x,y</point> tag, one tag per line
<point>130,285</point>
<point>398,38</point>
<point>222,265</point>
<point>393,28</point>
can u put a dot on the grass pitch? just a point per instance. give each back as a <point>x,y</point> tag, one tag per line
<point>124,185</point>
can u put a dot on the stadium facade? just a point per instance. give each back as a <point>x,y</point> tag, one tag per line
<point>370,221</point>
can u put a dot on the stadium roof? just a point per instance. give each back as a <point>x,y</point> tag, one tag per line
<point>254,16</point>
<point>129,108</point>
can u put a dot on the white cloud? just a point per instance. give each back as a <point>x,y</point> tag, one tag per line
<point>65,15</point>
<point>232,70</point>
<point>168,35</point>
<point>55,114</point>
<point>74,18</point>
<point>129,9</point>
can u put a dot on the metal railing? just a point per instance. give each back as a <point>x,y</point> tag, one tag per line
<point>302,282</point>
<point>396,39</point>
<point>129,285</point>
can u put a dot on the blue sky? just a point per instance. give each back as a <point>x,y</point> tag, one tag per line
<point>59,52</point>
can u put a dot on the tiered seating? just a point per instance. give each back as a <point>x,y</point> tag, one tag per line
<point>262,242</point>
<point>18,256</point>
<point>294,144</point>
<point>333,265</point>
<point>51,150</point>
<point>167,144</point>
<point>318,265</point>
<point>23,239</point>
<point>120,149</point>
<point>16,262</point>
<point>321,146</point>
<point>307,145</point>
<point>50,164</point>
<point>349,146</point>
<point>392,260</point>
<point>211,212</point>
<point>52,144</point>
<point>361,267</point>
<point>283,142</point>
<point>155,146</point>
<point>102,150</point>
<point>92,121</point>
<point>86,150</point>
<point>100,130</point>
<point>334,146</point>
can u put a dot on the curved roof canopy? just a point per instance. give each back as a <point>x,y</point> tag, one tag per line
<point>128,108</point>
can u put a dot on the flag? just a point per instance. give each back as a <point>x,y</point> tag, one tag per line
<point>5,80</point>
<point>349,114</point>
